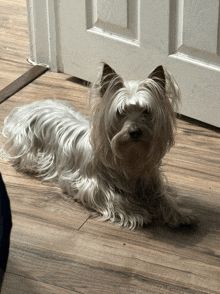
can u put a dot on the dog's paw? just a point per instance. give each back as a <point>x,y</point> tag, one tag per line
<point>134,221</point>
<point>181,218</point>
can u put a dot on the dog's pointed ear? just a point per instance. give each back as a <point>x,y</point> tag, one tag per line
<point>110,79</point>
<point>158,75</point>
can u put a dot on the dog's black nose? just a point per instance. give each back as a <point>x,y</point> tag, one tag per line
<point>135,134</point>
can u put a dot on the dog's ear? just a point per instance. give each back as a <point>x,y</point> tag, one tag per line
<point>158,75</point>
<point>163,78</point>
<point>110,79</point>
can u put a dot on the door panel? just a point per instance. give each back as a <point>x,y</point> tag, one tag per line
<point>113,19</point>
<point>195,30</point>
<point>134,36</point>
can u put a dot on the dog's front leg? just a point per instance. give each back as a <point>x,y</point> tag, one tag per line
<point>173,214</point>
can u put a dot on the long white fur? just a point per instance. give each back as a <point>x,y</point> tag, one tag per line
<point>93,158</point>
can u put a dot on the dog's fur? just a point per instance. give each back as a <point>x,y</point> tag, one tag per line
<point>109,161</point>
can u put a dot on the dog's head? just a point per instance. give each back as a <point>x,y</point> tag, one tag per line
<point>133,122</point>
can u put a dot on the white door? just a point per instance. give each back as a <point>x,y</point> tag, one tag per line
<point>134,36</point>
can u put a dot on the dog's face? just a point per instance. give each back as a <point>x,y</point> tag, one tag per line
<point>135,121</point>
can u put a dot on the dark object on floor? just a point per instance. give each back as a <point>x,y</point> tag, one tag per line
<point>5,228</point>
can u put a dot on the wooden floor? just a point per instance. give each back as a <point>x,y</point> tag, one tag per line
<point>57,248</point>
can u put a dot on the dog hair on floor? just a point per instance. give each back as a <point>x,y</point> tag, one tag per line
<point>110,160</point>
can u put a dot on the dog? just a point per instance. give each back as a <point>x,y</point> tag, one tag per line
<point>109,161</point>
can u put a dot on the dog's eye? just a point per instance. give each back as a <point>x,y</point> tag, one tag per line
<point>120,114</point>
<point>146,112</point>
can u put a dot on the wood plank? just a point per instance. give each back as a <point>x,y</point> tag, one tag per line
<point>14,40</point>
<point>10,71</point>
<point>21,82</point>
<point>78,261</point>
<point>49,86</point>
<point>43,201</point>
<point>17,284</point>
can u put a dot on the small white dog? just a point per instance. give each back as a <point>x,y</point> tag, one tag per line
<point>109,161</point>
